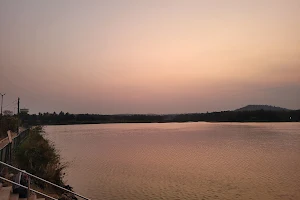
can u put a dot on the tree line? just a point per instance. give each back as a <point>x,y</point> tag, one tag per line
<point>224,116</point>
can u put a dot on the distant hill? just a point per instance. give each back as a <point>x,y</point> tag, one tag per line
<point>261,107</point>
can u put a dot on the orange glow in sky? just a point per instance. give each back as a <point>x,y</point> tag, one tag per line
<point>150,56</point>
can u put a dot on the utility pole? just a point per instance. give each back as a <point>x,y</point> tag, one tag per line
<point>1,101</point>
<point>18,114</point>
<point>18,106</point>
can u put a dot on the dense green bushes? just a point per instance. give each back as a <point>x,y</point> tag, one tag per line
<point>38,156</point>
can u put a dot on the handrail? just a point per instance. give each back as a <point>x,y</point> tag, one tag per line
<point>44,180</point>
<point>45,195</point>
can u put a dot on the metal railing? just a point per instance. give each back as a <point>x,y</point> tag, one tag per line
<point>31,175</point>
<point>45,195</point>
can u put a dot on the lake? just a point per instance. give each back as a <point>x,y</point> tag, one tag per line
<point>181,160</point>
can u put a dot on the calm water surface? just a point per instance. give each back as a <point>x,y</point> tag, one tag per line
<point>181,160</point>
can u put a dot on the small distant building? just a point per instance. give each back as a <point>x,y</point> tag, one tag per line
<point>24,110</point>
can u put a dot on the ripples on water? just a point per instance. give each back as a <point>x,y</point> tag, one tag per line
<point>182,160</point>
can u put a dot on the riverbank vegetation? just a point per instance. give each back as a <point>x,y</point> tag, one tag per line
<point>224,116</point>
<point>38,156</point>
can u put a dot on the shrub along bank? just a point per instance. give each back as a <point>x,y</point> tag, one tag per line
<point>38,156</point>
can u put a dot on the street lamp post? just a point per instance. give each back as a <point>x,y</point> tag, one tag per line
<point>1,101</point>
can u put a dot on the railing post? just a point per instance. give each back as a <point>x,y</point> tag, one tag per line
<point>28,191</point>
<point>9,149</point>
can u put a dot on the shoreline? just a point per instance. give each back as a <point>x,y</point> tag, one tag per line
<point>91,123</point>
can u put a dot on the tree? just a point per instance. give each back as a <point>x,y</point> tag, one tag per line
<point>8,113</point>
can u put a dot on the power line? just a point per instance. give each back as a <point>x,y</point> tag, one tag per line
<point>14,102</point>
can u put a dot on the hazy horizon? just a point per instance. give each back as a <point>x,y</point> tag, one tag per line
<point>149,113</point>
<point>160,57</point>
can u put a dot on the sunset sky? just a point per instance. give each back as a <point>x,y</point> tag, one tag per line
<point>155,56</point>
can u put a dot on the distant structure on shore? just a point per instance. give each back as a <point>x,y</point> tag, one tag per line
<point>24,110</point>
<point>261,107</point>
